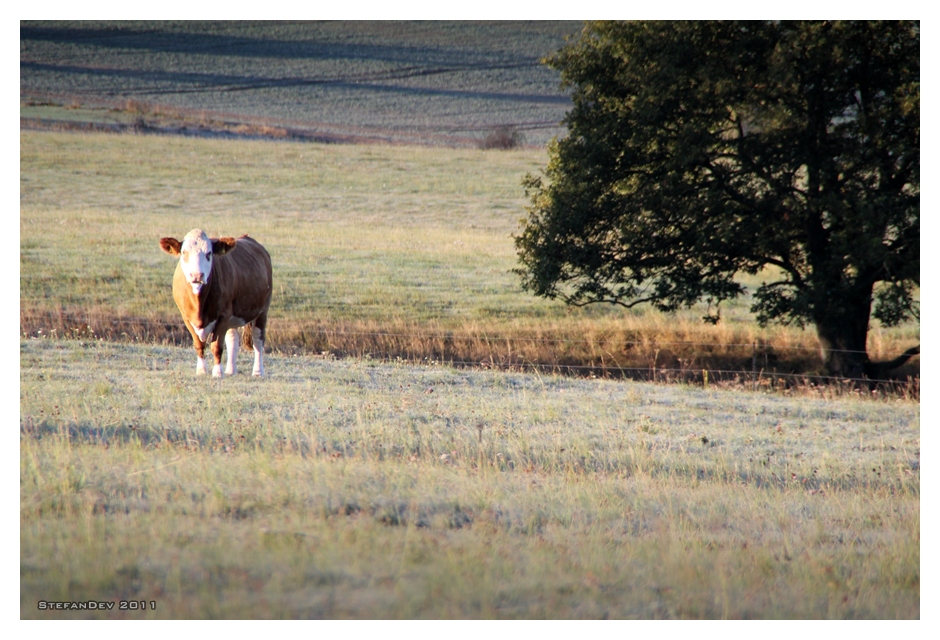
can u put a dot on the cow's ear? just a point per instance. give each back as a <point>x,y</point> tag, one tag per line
<point>223,245</point>
<point>170,245</point>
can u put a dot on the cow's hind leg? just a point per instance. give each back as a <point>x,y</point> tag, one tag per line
<point>231,349</point>
<point>257,343</point>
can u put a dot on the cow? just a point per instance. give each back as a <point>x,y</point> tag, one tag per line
<point>220,285</point>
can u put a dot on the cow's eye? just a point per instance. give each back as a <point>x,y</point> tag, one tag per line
<point>209,257</point>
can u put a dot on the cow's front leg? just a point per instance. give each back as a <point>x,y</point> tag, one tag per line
<point>201,368</point>
<point>231,351</point>
<point>200,348</point>
<point>217,346</point>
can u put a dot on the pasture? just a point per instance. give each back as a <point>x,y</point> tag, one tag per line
<point>361,489</point>
<point>396,252</point>
<point>396,486</point>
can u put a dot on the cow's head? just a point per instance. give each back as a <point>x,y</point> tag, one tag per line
<point>196,254</point>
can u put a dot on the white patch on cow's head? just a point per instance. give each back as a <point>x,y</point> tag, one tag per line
<point>196,259</point>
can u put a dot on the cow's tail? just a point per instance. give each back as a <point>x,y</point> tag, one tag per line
<point>247,342</point>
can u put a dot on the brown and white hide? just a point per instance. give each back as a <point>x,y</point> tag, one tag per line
<point>220,285</point>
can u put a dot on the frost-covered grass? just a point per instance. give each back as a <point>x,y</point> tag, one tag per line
<point>366,490</point>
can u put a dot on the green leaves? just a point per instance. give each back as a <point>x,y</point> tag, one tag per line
<point>895,303</point>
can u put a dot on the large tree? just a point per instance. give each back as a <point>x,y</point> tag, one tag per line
<point>700,150</point>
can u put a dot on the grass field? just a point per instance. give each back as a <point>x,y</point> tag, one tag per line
<point>440,83</point>
<point>357,489</point>
<point>389,251</point>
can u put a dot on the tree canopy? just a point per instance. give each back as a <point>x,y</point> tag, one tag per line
<point>700,150</point>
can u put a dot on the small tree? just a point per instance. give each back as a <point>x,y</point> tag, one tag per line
<point>699,150</point>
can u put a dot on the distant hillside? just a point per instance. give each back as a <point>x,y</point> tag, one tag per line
<point>438,83</point>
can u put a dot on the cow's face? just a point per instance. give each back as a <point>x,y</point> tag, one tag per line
<point>196,254</point>
<point>196,259</point>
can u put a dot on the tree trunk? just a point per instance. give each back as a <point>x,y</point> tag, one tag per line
<point>843,337</point>
<point>842,329</point>
<point>843,352</point>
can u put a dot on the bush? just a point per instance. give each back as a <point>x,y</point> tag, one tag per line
<point>503,137</point>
